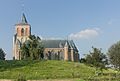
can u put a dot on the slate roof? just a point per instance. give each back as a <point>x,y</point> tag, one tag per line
<point>59,44</point>
<point>53,43</point>
<point>23,20</point>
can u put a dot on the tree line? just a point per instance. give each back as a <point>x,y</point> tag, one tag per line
<point>33,49</point>
<point>100,60</point>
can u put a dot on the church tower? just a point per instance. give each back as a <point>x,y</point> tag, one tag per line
<point>22,33</point>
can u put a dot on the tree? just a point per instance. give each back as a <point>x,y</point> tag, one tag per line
<point>24,51</point>
<point>2,54</point>
<point>96,58</point>
<point>114,55</point>
<point>82,60</point>
<point>32,48</point>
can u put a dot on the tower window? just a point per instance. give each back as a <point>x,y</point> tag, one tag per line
<point>27,33</point>
<point>22,32</point>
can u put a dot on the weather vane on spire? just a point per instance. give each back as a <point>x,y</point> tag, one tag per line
<point>23,15</point>
<point>22,6</point>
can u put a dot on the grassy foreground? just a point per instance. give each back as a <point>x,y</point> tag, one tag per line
<point>34,70</point>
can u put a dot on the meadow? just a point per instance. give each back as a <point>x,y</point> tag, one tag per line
<point>51,69</point>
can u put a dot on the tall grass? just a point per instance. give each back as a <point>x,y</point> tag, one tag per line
<point>45,70</point>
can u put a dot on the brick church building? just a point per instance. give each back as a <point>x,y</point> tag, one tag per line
<point>54,49</point>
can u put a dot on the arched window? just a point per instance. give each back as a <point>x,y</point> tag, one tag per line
<point>22,32</point>
<point>26,32</point>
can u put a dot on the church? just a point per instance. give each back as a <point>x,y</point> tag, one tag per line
<point>54,49</point>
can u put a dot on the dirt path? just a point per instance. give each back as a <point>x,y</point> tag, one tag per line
<point>56,80</point>
<point>46,80</point>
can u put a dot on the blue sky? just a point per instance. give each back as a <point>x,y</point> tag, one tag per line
<point>88,22</point>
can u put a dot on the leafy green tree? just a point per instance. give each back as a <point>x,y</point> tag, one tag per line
<point>96,58</point>
<point>24,51</point>
<point>32,48</point>
<point>114,55</point>
<point>82,60</point>
<point>2,54</point>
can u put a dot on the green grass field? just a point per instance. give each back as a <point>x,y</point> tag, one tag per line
<point>35,70</point>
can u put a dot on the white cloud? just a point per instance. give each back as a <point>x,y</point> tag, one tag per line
<point>85,34</point>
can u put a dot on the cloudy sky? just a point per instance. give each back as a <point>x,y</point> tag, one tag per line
<point>88,22</point>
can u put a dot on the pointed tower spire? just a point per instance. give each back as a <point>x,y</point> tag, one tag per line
<point>24,20</point>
